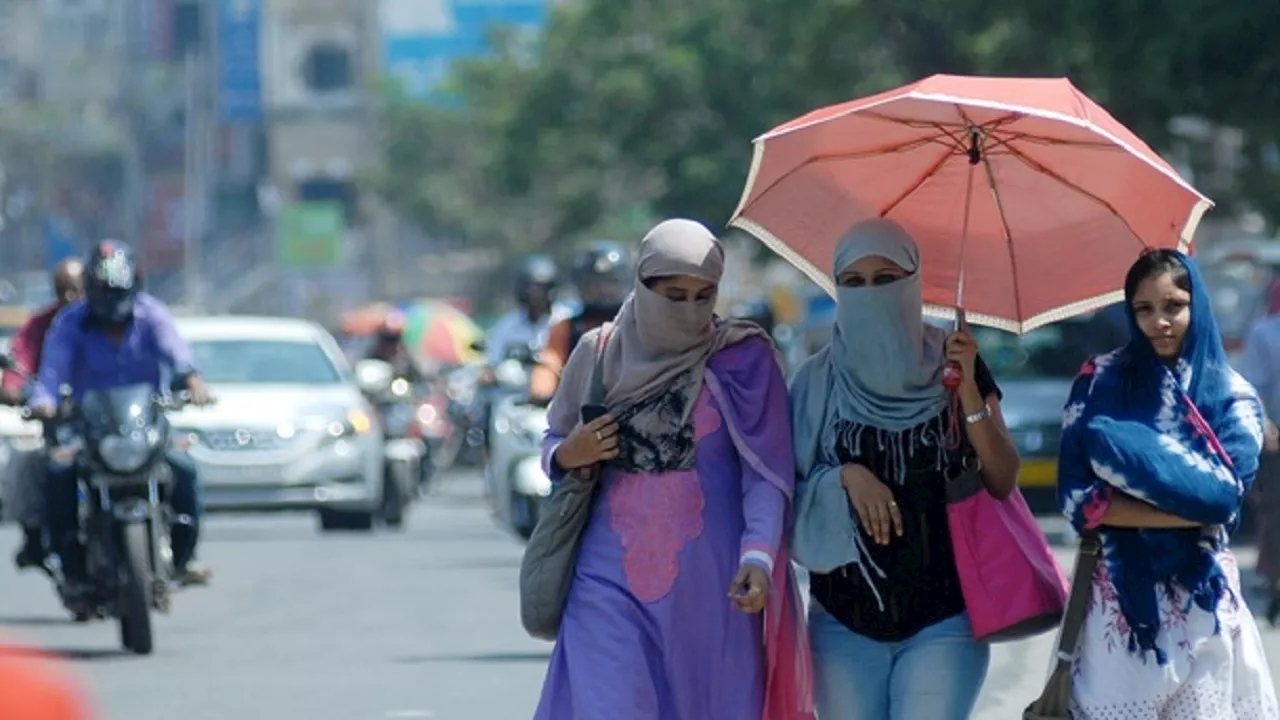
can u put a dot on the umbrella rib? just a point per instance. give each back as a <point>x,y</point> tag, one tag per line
<point>901,147</point>
<point>1004,221</point>
<point>1039,167</point>
<point>1056,142</point>
<point>1008,235</point>
<point>920,181</point>
<point>944,130</point>
<point>989,125</point>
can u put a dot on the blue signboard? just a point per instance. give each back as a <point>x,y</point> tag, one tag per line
<point>422,38</point>
<point>239,62</point>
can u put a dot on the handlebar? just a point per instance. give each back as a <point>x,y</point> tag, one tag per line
<point>168,403</point>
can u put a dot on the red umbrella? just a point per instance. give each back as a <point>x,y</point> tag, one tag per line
<point>1027,199</point>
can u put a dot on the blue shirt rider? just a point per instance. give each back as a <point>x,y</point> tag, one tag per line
<point>116,336</point>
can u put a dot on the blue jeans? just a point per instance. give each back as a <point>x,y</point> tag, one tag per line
<point>61,521</point>
<point>934,674</point>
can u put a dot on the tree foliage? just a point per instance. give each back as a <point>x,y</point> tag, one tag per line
<point>636,108</point>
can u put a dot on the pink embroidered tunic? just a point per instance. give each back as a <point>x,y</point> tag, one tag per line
<point>649,632</point>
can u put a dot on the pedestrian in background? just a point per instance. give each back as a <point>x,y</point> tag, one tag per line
<point>1260,365</point>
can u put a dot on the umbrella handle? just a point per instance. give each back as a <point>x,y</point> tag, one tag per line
<point>952,373</point>
<point>952,376</point>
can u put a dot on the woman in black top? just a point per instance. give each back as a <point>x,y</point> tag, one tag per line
<point>877,436</point>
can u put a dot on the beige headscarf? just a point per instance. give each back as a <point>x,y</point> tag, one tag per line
<point>655,344</point>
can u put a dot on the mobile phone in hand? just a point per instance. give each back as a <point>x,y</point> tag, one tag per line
<point>592,412</point>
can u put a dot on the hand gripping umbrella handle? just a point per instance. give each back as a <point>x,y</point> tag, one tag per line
<point>952,375</point>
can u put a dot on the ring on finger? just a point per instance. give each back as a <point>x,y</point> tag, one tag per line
<point>599,436</point>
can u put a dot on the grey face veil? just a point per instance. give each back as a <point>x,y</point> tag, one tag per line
<point>886,362</point>
<point>657,349</point>
<point>883,369</point>
<point>879,381</point>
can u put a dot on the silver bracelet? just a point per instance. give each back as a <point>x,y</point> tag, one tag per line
<point>975,418</point>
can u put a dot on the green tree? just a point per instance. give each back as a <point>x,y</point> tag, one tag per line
<point>653,104</point>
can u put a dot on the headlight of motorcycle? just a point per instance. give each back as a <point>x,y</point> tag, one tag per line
<point>532,428</point>
<point>510,373</point>
<point>126,453</point>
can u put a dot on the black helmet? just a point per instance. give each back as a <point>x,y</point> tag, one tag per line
<point>603,274</point>
<point>111,282</point>
<point>538,271</point>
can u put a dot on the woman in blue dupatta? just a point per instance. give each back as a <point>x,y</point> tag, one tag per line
<point>1160,445</point>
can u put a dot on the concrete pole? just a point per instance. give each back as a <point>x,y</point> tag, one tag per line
<point>192,184</point>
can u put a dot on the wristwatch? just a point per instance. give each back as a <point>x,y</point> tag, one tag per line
<point>975,418</point>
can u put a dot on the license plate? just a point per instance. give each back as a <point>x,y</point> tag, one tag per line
<point>1038,473</point>
<point>242,474</point>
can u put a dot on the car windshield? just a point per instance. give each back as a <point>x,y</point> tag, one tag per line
<point>264,362</point>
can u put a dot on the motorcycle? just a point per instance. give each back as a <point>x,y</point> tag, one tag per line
<point>116,441</point>
<point>405,452</point>
<point>468,413</point>
<point>515,481</point>
<point>437,432</point>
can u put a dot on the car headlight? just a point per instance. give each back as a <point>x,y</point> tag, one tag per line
<point>182,439</point>
<point>356,422</point>
<point>126,453</point>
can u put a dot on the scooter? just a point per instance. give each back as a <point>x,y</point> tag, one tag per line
<point>517,484</point>
<point>404,451</point>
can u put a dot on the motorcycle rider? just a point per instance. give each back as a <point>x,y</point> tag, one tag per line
<point>68,286</point>
<point>527,323</point>
<point>389,347</point>
<point>603,274</point>
<point>117,335</point>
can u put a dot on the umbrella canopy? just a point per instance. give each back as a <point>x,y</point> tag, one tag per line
<point>1027,199</point>
<point>365,319</point>
<point>437,331</point>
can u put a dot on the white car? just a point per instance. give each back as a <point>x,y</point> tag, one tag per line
<point>289,430</point>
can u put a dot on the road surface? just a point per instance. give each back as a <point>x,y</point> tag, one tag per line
<point>299,626</point>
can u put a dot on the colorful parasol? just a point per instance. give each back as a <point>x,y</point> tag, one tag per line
<point>437,331</point>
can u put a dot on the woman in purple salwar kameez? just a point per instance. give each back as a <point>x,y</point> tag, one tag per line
<point>684,547</point>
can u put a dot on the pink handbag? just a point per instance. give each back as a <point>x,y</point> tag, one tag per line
<point>1013,587</point>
